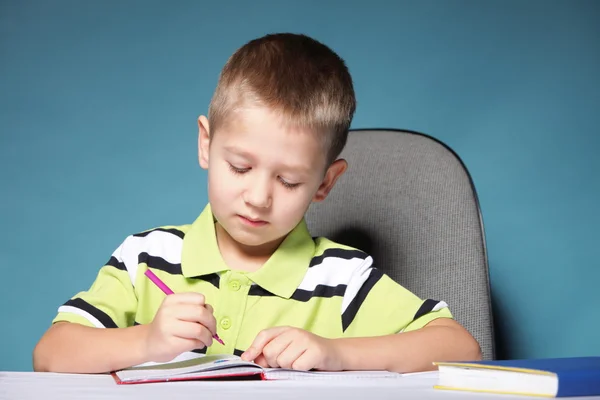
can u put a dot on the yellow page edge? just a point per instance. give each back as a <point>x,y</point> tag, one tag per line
<point>492,391</point>
<point>495,367</point>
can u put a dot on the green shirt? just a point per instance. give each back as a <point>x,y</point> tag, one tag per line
<point>323,287</point>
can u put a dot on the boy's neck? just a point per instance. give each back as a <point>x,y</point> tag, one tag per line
<point>241,257</point>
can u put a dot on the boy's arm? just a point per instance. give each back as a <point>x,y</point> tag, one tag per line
<point>75,348</point>
<point>183,323</point>
<point>442,339</point>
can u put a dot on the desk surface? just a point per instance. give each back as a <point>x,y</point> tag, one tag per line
<point>49,386</point>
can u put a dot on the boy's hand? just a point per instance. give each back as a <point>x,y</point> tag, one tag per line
<point>288,347</point>
<point>183,323</point>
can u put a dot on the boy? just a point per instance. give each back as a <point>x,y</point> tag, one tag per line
<point>247,269</point>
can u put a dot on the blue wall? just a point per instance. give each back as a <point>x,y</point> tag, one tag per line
<point>98,102</point>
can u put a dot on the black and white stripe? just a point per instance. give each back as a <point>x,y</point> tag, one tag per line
<point>214,279</point>
<point>256,290</point>
<point>334,274</point>
<point>84,309</point>
<point>114,262</point>
<point>238,352</point>
<point>318,291</point>
<point>331,274</point>
<point>173,231</point>
<point>159,248</point>
<point>361,286</point>
<point>428,306</point>
<point>343,254</point>
<point>159,263</point>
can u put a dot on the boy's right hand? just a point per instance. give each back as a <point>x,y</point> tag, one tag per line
<point>183,322</point>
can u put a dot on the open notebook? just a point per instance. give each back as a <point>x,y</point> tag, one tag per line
<point>192,366</point>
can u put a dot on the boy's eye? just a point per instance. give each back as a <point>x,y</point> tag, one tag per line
<point>288,185</point>
<point>237,170</point>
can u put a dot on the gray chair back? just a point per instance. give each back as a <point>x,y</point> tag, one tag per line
<point>408,200</point>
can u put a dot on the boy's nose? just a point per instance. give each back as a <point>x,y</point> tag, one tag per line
<point>258,194</point>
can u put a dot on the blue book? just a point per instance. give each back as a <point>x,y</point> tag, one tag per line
<point>550,377</point>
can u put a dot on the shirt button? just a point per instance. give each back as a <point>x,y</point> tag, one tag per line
<point>225,323</point>
<point>234,285</point>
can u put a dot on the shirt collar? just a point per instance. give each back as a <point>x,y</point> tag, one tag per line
<point>200,254</point>
<point>280,275</point>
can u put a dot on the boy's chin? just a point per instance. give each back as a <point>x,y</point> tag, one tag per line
<point>250,240</point>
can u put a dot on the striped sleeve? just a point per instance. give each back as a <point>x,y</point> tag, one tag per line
<point>111,301</point>
<point>374,304</point>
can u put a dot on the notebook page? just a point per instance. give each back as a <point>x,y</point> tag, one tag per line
<point>172,369</point>
<point>186,356</point>
<point>290,374</point>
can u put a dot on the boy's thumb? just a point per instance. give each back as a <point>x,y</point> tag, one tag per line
<point>249,354</point>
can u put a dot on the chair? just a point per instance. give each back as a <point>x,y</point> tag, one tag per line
<point>408,200</point>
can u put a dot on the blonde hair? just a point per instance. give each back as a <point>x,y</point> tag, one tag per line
<point>300,78</point>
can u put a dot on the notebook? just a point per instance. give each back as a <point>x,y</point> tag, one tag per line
<point>551,377</point>
<point>192,366</point>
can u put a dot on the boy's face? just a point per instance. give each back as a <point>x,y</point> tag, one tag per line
<point>262,177</point>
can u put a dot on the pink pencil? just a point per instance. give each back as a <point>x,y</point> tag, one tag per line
<point>161,285</point>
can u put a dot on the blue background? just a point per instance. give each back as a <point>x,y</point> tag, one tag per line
<point>98,108</point>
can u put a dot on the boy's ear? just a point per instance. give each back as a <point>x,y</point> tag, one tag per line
<point>203,141</point>
<point>335,170</point>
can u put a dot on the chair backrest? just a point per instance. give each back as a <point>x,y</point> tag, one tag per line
<point>408,200</point>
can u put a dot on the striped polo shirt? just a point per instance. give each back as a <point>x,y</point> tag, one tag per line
<point>315,284</point>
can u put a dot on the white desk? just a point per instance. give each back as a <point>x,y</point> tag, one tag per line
<point>48,386</point>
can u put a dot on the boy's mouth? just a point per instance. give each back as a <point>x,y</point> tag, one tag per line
<point>252,221</point>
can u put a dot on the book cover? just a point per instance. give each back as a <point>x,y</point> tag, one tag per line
<point>550,377</point>
<point>192,366</point>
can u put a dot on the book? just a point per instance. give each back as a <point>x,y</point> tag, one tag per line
<point>550,377</point>
<point>192,366</point>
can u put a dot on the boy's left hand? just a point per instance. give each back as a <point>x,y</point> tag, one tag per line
<point>287,347</point>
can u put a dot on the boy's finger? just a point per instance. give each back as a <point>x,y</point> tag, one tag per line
<point>192,331</point>
<point>289,355</point>
<point>304,362</point>
<point>262,361</point>
<point>261,340</point>
<point>200,315</point>
<point>192,344</point>
<point>186,298</point>
<point>188,312</point>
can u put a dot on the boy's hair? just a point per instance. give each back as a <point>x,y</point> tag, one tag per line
<point>294,75</point>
